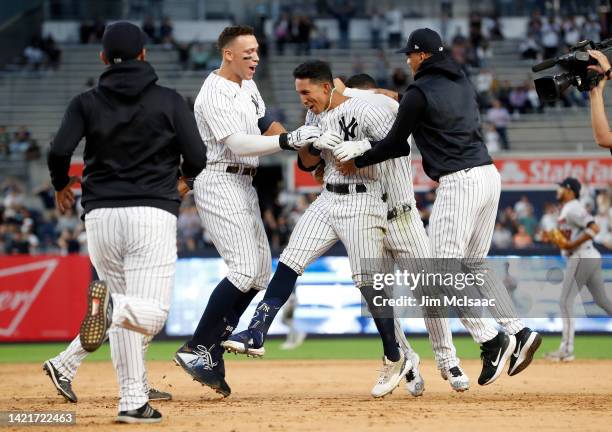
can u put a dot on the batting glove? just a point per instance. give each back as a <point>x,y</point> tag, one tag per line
<point>351,149</point>
<point>300,137</point>
<point>328,141</point>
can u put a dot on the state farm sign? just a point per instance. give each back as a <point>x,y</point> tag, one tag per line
<point>525,172</point>
<point>543,172</point>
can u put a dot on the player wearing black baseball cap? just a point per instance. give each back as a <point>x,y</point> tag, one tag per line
<point>122,41</point>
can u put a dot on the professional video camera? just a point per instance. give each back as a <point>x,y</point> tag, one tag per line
<point>557,74</point>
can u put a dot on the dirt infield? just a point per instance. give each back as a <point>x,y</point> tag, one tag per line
<point>332,395</point>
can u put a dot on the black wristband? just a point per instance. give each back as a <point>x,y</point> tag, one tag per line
<point>283,142</point>
<point>608,72</point>
<point>313,150</point>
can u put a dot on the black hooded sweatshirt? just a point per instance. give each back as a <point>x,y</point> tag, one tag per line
<point>136,132</point>
<point>440,110</point>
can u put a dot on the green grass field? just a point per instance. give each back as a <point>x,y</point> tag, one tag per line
<point>587,347</point>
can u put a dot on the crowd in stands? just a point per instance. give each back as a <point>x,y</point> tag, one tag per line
<point>18,144</point>
<point>30,224</point>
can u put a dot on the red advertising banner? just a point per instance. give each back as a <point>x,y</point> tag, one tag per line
<point>526,172</point>
<point>42,297</point>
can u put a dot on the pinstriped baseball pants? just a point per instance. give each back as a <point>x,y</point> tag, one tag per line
<point>134,251</point>
<point>358,220</point>
<point>461,226</point>
<point>407,244</point>
<point>229,209</point>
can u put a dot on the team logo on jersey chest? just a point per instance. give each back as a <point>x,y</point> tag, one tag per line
<point>348,130</point>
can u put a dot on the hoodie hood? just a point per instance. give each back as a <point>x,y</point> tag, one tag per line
<point>128,78</point>
<point>442,64</point>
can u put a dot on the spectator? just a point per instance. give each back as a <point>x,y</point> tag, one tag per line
<point>53,53</point>
<point>199,57</point>
<point>303,36</point>
<point>502,237</point>
<point>343,14</point>
<point>319,39</point>
<point>571,32</point>
<point>591,29</point>
<point>533,99</point>
<point>33,54</point>
<point>5,140</point>
<point>377,25</point>
<point>549,219</point>
<point>86,32</point>
<point>550,38</point>
<point>166,32</point>
<point>492,139</point>
<point>98,30</point>
<point>148,27</point>
<point>499,116</point>
<point>21,142</point>
<point>189,225</point>
<point>399,80</point>
<point>381,69</point>
<point>484,83</point>
<point>395,23</point>
<point>523,207</point>
<point>518,101</point>
<point>529,222</point>
<point>534,25</point>
<point>522,239</point>
<point>503,93</point>
<point>282,32</point>
<point>530,49</point>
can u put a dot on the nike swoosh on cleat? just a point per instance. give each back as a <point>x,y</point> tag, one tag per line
<point>496,362</point>
<point>518,350</point>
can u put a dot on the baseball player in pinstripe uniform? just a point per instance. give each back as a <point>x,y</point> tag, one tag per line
<point>136,133</point>
<point>350,209</point>
<point>230,114</point>
<point>441,112</point>
<point>583,263</point>
<point>406,244</point>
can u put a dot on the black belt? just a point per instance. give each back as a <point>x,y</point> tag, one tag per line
<point>399,210</point>
<point>344,189</point>
<point>235,169</point>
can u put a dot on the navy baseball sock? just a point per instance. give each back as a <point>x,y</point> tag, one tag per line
<point>230,322</point>
<point>385,326</point>
<point>220,305</point>
<point>278,292</point>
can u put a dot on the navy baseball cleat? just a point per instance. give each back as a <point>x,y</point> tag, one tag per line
<point>98,318</point>
<point>527,343</point>
<point>205,365</point>
<point>61,383</point>
<point>249,342</point>
<point>494,354</point>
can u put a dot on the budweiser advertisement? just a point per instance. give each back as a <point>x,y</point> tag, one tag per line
<point>525,172</point>
<point>42,298</point>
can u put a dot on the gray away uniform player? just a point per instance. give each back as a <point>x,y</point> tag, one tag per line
<point>350,209</point>
<point>230,114</point>
<point>136,133</point>
<point>407,245</point>
<point>440,111</point>
<point>583,263</point>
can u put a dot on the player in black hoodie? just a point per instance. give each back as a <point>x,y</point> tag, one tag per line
<point>136,133</point>
<point>440,110</point>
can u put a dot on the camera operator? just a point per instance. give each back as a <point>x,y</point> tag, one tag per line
<point>599,121</point>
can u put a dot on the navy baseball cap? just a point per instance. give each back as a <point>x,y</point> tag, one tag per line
<point>572,184</point>
<point>423,40</point>
<point>122,41</point>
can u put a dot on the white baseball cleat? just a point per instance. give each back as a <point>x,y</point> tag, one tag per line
<point>415,384</point>
<point>390,375</point>
<point>560,356</point>
<point>457,378</point>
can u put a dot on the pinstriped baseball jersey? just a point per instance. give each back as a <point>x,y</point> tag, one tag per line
<point>223,108</point>
<point>355,120</point>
